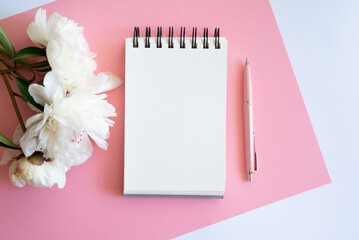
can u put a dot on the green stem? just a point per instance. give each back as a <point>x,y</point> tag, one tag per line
<point>5,62</point>
<point>31,65</point>
<point>12,97</point>
<point>9,66</point>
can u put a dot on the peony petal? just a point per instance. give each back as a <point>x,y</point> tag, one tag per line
<point>14,177</point>
<point>83,148</point>
<point>38,93</point>
<point>99,140</point>
<point>52,88</point>
<point>8,155</point>
<point>37,30</point>
<point>115,79</point>
<point>35,118</point>
<point>61,181</point>
<point>105,82</point>
<point>29,141</point>
<point>17,135</point>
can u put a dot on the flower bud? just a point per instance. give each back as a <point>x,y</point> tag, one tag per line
<point>37,171</point>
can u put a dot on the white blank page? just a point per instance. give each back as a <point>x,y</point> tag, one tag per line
<point>175,119</point>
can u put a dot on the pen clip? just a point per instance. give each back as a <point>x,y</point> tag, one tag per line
<point>255,153</point>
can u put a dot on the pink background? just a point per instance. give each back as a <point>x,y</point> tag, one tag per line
<point>92,207</point>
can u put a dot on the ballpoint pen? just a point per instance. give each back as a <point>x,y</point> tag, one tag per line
<point>249,136</point>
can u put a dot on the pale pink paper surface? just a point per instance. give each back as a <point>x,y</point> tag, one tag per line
<point>92,207</point>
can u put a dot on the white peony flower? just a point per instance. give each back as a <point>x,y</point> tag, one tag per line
<point>66,48</point>
<point>74,108</point>
<point>57,27</point>
<point>33,170</point>
<point>67,51</point>
<point>52,131</point>
<point>36,171</point>
<point>62,131</point>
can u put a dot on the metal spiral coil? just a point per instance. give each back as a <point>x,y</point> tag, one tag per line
<point>194,37</point>
<point>159,37</point>
<point>205,38</point>
<point>183,38</point>
<point>147,38</point>
<point>170,37</point>
<point>217,44</point>
<point>136,35</point>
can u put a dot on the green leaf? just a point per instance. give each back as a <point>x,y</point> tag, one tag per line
<point>27,69</point>
<point>33,76</point>
<point>5,43</point>
<point>30,52</point>
<point>3,52</point>
<point>42,64</point>
<point>27,79</point>
<point>22,61</point>
<point>5,142</point>
<point>46,69</point>
<point>23,86</point>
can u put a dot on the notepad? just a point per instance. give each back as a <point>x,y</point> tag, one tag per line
<point>175,118</point>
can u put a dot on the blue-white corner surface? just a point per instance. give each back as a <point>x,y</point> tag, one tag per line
<point>10,8</point>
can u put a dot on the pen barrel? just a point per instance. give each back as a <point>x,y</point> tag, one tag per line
<point>248,136</point>
<point>248,119</point>
<point>247,84</point>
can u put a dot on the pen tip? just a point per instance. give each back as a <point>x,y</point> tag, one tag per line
<point>247,62</point>
<point>250,176</point>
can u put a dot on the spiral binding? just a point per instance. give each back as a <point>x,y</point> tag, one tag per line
<point>194,38</point>
<point>170,37</point>
<point>183,38</point>
<point>217,44</point>
<point>205,38</point>
<point>136,35</point>
<point>147,38</point>
<point>159,37</point>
